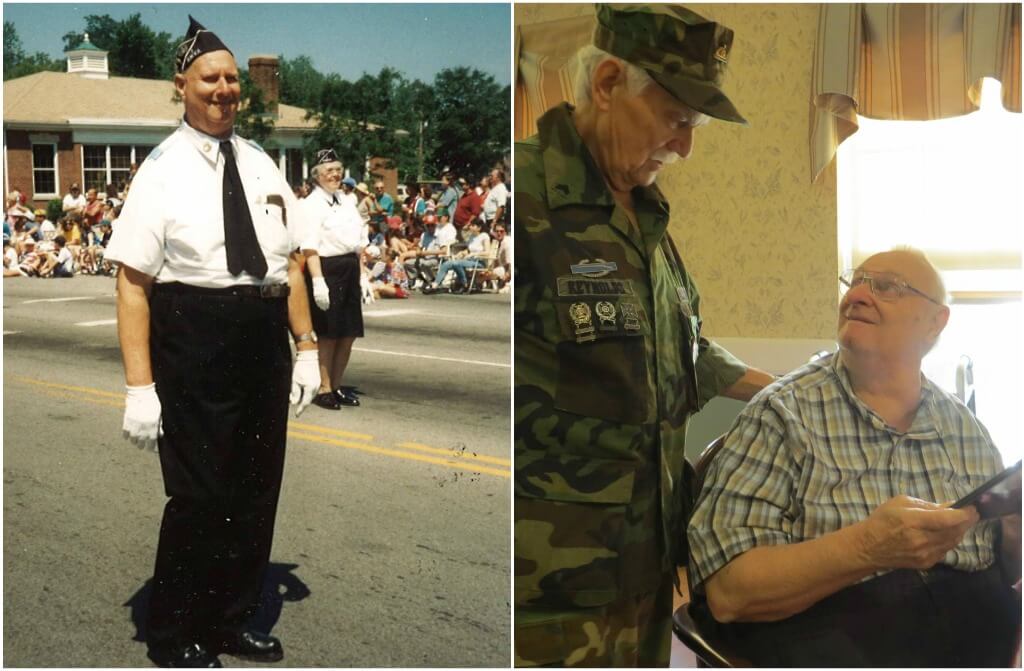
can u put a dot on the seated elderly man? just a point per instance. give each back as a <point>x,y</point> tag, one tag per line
<point>823,533</point>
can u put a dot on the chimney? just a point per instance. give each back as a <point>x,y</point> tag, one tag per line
<point>264,73</point>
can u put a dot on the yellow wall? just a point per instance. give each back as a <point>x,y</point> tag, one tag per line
<point>758,237</point>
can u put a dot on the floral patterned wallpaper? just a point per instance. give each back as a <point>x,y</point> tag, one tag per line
<point>758,237</point>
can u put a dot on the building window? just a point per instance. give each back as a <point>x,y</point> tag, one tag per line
<point>951,188</point>
<point>44,170</point>
<point>110,164</point>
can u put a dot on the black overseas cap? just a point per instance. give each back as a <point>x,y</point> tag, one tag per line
<point>326,156</point>
<point>198,41</point>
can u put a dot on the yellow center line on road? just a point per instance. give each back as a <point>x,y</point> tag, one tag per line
<point>455,462</point>
<point>462,454</point>
<point>68,387</point>
<point>323,429</point>
<point>462,461</point>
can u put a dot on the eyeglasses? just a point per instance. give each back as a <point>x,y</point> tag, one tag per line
<point>886,286</point>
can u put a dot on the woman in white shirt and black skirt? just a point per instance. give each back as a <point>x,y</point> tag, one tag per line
<point>337,234</point>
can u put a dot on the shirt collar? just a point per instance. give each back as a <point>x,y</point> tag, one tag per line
<point>924,424</point>
<point>573,178</point>
<point>328,198</point>
<point>207,145</point>
<point>576,182</point>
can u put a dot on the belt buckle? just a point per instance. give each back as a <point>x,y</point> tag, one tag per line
<point>273,290</point>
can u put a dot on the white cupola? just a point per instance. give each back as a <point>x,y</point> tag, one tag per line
<point>87,60</point>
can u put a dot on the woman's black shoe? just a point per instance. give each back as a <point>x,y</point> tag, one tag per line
<point>327,400</point>
<point>346,398</point>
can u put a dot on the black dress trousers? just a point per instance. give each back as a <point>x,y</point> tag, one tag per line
<point>222,367</point>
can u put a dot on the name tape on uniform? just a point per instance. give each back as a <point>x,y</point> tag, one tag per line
<point>580,286</point>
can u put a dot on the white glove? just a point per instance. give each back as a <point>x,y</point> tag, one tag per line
<point>321,296</point>
<point>367,288</point>
<point>142,425</point>
<point>305,379</point>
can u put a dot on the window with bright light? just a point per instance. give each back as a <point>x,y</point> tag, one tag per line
<point>951,187</point>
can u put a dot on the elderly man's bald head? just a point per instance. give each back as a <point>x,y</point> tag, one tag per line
<point>914,266</point>
<point>900,326</point>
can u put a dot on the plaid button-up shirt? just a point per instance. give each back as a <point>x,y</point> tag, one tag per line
<point>807,457</point>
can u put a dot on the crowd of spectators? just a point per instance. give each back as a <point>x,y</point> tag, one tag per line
<point>427,242</point>
<point>434,239</point>
<point>35,246</point>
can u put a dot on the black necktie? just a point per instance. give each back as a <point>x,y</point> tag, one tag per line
<point>334,197</point>
<point>240,243</point>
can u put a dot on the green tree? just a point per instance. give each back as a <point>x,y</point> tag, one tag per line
<point>17,63</point>
<point>356,119</point>
<point>135,50</point>
<point>301,83</point>
<point>254,121</point>
<point>469,122</point>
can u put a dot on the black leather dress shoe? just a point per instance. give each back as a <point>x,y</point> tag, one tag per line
<point>191,656</point>
<point>346,398</point>
<point>327,400</point>
<point>254,646</point>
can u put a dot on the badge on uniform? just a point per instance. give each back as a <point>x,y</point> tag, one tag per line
<point>593,268</point>
<point>606,316</point>
<point>581,319</point>
<point>630,316</point>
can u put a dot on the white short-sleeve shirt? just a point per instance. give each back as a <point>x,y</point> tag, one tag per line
<point>496,197</point>
<point>446,235</point>
<point>172,224</point>
<point>334,228</point>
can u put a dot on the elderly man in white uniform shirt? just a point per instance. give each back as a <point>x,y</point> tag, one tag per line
<point>337,235</point>
<point>207,292</point>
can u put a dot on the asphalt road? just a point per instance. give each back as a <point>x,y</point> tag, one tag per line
<point>392,542</point>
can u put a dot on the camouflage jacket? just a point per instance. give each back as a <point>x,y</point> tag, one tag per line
<point>609,366</point>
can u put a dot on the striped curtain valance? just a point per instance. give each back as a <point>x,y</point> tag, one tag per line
<point>907,61</point>
<point>544,76</point>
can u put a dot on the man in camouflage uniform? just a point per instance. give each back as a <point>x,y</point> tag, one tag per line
<point>609,359</point>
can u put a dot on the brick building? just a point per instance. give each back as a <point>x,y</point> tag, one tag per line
<point>88,127</point>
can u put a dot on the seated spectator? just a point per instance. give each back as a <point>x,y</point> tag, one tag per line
<point>112,196</point>
<point>503,264</point>
<point>47,230</point>
<point>10,261</point>
<point>72,230</point>
<point>823,534</point>
<point>18,216</point>
<point>421,263</point>
<point>59,264</point>
<point>30,262</point>
<point>387,278</point>
<point>474,256</point>
<point>92,212</point>
<point>74,201</point>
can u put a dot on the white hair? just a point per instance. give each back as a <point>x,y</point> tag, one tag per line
<point>588,58</point>
<point>314,172</point>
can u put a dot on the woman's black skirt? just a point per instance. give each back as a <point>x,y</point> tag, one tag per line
<point>344,318</point>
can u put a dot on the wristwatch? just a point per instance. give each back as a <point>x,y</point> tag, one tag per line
<point>306,337</point>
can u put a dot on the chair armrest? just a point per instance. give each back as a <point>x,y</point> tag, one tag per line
<point>709,651</point>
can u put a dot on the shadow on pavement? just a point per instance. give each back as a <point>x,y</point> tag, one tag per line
<point>280,585</point>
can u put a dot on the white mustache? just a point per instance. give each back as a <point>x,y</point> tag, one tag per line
<point>665,157</point>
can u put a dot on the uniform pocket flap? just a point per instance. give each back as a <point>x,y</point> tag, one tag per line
<point>575,479</point>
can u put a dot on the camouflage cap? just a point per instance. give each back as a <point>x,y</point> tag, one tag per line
<point>681,50</point>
